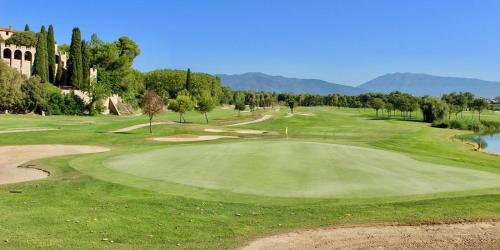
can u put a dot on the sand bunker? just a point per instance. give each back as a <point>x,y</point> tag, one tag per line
<point>261,119</point>
<point>192,138</point>
<point>14,156</point>
<point>128,129</point>
<point>239,131</point>
<point>480,235</point>
<point>305,114</point>
<point>24,130</point>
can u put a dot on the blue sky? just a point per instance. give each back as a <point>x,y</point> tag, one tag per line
<point>342,41</point>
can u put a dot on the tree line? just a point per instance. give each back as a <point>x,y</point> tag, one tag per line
<point>180,90</point>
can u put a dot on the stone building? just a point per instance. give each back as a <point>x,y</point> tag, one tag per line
<point>22,57</point>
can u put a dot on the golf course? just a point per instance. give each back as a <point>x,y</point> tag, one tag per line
<point>106,182</point>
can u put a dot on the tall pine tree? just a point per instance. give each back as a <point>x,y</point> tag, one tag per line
<point>75,59</point>
<point>85,64</point>
<point>51,54</point>
<point>41,66</point>
<point>26,27</point>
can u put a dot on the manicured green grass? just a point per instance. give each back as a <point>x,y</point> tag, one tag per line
<point>290,168</point>
<point>86,200</point>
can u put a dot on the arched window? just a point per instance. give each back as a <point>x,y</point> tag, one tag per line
<point>7,54</point>
<point>18,55</point>
<point>28,56</point>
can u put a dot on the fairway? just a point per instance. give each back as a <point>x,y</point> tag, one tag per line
<point>299,169</point>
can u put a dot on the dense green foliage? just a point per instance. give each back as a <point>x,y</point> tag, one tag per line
<point>23,38</point>
<point>35,95</point>
<point>479,105</point>
<point>181,104</point>
<point>291,102</point>
<point>377,104</point>
<point>226,96</point>
<point>239,102</point>
<point>41,66</point>
<point>189,84</point>
<point>113,61</point>
<point>64,104</point>
<point>206,103</point>
<point>51,54</point>
<point>20,95</point>
<point>433,109</point>
<point>168,83</point>
<point>75,64</point>
<point>11,95</point>
<point>85,65</point>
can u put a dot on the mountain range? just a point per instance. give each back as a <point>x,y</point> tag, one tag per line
<point>279,84</point>
<point>416,84</point>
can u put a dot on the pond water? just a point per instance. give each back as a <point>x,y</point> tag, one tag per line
<point>492,142</point>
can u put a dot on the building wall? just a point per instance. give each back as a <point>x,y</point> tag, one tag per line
<point>24,64</point>
<point>20,58</point>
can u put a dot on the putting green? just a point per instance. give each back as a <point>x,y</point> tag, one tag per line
<point>299,169</point>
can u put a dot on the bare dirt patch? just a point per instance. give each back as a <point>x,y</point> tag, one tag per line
<point>479,235</point>
<point>192,138</point>
<point>12,157</point>
<point>239,131</point>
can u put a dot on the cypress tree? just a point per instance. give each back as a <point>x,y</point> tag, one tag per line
<point>60,74</point>
<point>26,27</point>
<point>51,54</point>
<point>40,66</point>
<point>188,81</point>
<point>85,64</point>
<point>75,59</point>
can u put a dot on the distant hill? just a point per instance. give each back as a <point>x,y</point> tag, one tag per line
<point>423,84</point>
<point>262,82</point>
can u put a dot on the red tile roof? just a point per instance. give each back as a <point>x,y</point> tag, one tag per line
<point>7,29</point>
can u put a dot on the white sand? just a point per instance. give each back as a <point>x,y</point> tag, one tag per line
<point>192,138</point>
<point>128,129</point>
<point>26,130</point>
<point>261,119</point>
<point>14,156</point>
<point>238,131</point>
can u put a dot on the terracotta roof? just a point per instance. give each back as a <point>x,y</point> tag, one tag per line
<point>7,29</point>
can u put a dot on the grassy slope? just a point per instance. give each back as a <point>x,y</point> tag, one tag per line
<point>74,210</point>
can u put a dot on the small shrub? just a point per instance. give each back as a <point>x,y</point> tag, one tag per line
<point>474,126</point>
<point>440,124</point>
<point>490,125</point>
<point>54,104</point>
<point>60,104</point>
<point>73,104</point>
<point>458,124</point>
